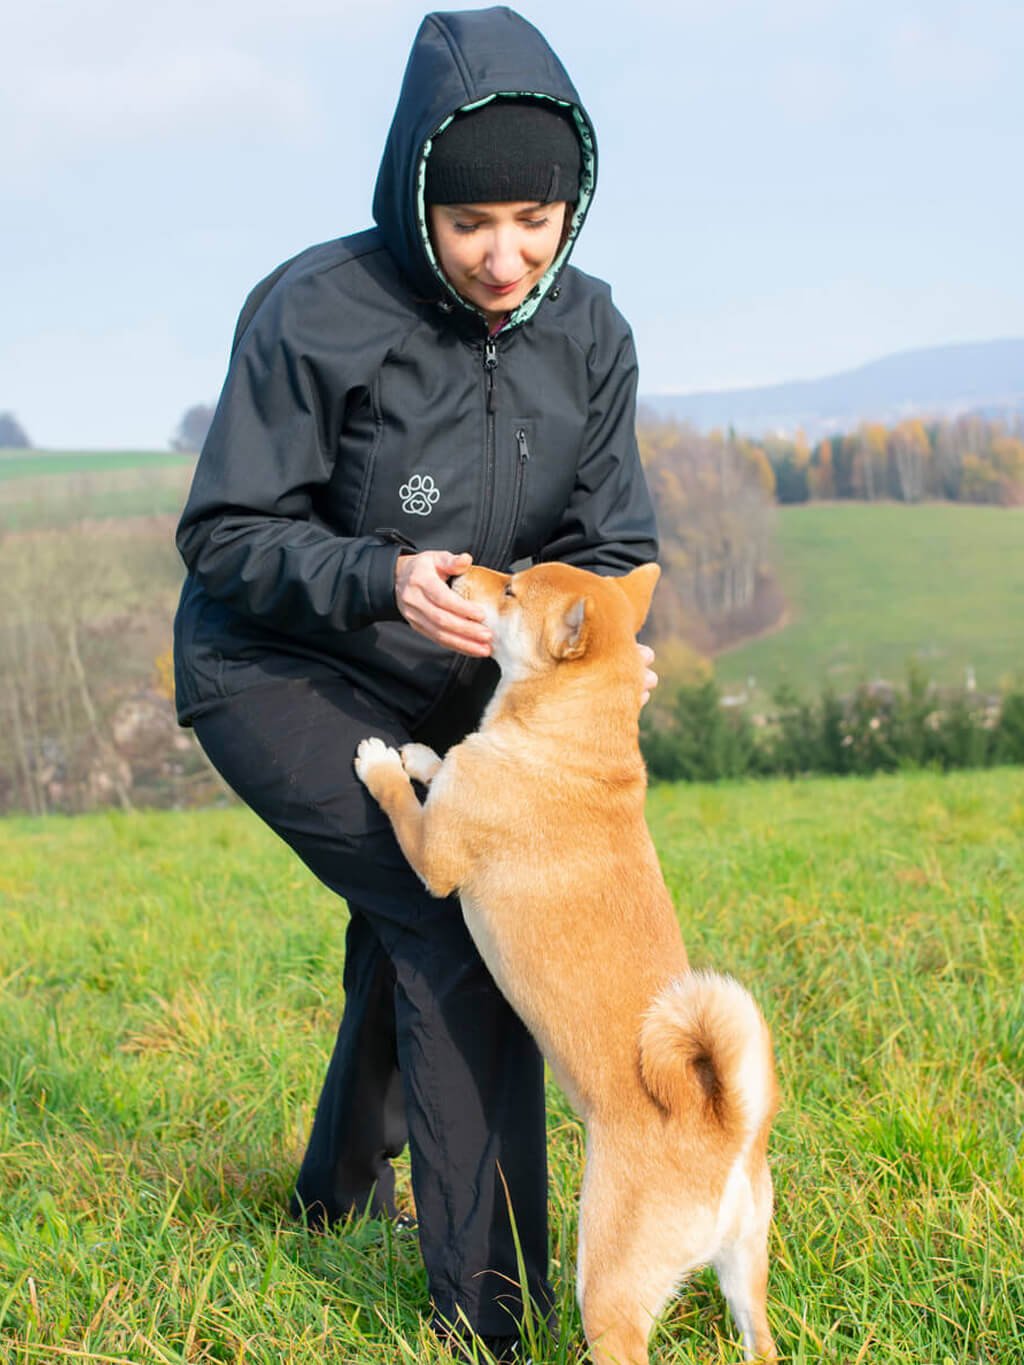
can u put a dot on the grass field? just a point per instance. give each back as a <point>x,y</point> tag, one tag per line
<point>17,464</point>
<point>872,586</point>
<point>43,489</point>
<point>168,996</point>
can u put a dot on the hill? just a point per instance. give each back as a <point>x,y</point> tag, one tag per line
<point>983,376</point>
<point>871,586</point>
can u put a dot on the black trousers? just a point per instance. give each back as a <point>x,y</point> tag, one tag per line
<point>428,1050</point>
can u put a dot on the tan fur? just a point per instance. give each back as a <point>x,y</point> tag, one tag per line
<point>537,820</point>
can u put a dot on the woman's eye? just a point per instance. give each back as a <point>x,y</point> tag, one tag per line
<point>465,227</point>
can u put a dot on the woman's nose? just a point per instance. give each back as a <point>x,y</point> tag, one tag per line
<point>503,258</point>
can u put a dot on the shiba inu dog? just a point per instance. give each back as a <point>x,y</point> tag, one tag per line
<point>537,821</point>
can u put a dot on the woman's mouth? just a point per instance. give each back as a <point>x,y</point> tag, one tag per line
<point>500,288</point>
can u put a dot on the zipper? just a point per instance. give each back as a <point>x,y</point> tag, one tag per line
<point>523,448</point>
<point>463,662</point>
<point>490,365</point>
<point>491,406</point>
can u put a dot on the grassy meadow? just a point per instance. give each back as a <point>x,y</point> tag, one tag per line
<point>871,586</point>
<point>17,464</point>
<point>169,989</point>
<point>42,489</point>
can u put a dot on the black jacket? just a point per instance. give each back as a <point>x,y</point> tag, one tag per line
<point>365,409</point>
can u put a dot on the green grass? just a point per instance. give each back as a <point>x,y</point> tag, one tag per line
<point>43,489</point>
<point>17,464</point>
<point>169,989</point>
<point>44,503</point>
<point>872,586</point>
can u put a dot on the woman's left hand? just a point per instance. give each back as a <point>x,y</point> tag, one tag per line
<point>650,677</point>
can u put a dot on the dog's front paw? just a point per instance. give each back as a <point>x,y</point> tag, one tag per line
<point>374,759</point>
<point>420,762</point>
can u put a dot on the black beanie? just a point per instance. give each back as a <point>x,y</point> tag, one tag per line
<point>504,152</point>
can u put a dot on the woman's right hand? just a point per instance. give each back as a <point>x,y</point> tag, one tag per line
<point>429,605</point>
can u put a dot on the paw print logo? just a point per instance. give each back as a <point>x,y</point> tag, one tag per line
<point>419,495</point>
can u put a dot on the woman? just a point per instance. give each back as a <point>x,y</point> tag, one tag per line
<point>440,388</point>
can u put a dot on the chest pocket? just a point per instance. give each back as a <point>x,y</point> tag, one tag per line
<point>426,478</point>
<point>547,477</point>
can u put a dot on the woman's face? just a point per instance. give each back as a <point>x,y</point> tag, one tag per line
<point>493,254</point>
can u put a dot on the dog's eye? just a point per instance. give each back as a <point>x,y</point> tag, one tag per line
<point>508,590</point>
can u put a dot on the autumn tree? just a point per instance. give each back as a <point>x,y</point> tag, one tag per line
<point>1007,455</point>
<point>908,444</point>
<point>820,481</point>
<point>870,461</point>
<point>715,495</point>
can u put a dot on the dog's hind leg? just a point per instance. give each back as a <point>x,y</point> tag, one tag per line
<point>642,1232</point>
<point>741,1263</point>
<point>632,1253</point>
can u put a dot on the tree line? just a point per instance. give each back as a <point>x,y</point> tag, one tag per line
<point>969,459</point>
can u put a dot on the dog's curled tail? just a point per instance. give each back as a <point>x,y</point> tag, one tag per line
<point>705,1055</point>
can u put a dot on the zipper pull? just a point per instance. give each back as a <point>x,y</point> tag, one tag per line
<point>524,449</point>
<point>490,365</point>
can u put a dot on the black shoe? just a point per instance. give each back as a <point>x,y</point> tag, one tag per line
<point>480,1350</point>
<point>505,1350</point>
<point>318,1218</point>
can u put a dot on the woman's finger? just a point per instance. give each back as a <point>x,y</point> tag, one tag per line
<point>439,595</point>
<point>440,615</point>
<point>444,626</point>
<point>452,637</point>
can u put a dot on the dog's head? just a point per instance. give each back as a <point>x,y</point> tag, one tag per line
<point>556,614</point>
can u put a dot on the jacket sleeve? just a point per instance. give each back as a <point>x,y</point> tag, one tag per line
<point>608,525</point>
<point>249,533</point>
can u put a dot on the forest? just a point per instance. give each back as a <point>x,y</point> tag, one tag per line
<point>970,459</point>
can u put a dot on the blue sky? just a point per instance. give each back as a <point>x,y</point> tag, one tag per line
<point>787,187</point>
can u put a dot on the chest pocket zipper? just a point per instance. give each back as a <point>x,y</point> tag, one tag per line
<point>522,439</point>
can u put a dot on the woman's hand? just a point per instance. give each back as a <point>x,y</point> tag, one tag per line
<point>650,677</point>
<point>429,605</point>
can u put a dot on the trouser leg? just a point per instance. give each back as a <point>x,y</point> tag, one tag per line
<point>474,1084</point>
<point>472,1078</point>
<point>360,1116</point>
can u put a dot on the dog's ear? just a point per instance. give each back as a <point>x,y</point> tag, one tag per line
<point>639,589</point>
<point>572,630</point>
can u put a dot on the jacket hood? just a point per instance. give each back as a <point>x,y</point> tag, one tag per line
<point>461,60</point>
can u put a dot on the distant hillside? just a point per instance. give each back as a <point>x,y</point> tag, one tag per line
<point>871,586</point>
<point>986,376</point>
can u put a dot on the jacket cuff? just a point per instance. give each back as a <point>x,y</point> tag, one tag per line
<point>380,583</point>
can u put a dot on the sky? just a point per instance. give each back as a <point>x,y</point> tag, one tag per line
<point>787,188</point>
